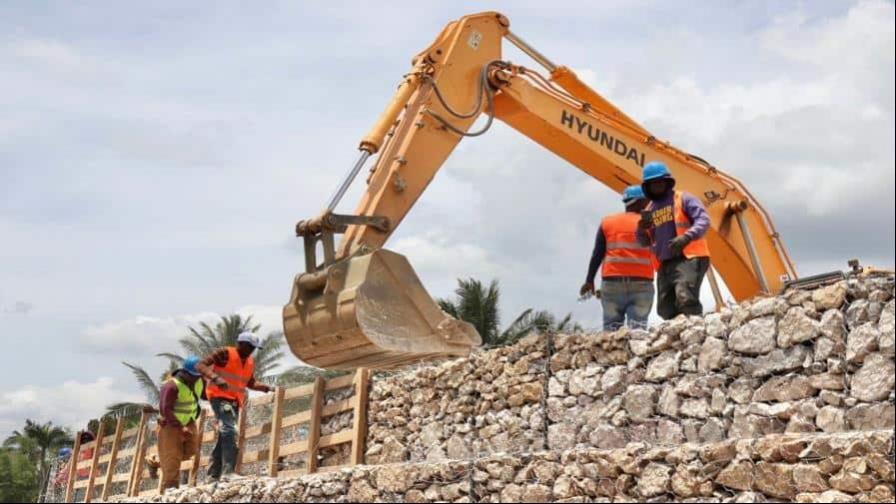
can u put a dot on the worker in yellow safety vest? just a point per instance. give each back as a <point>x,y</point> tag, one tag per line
<point>178,410</point>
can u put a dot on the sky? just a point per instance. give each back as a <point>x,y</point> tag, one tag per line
<point>154,158</point>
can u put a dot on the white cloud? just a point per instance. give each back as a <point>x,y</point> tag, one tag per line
<point>145,336</point>
<point>72,403</point>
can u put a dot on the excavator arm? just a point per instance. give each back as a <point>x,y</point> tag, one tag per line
<point>364,306</point>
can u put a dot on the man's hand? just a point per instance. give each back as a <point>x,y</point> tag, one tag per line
<point>587,289</point>
<point>220,383</point>
<point>266,389</point>
<point>646,221</point>
<point>677,244</point>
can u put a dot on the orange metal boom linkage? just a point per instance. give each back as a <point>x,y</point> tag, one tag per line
<point>459,77</point>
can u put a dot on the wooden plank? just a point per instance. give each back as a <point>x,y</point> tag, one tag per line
<point>276,431</point>
<point>258,430</point>
<point>113,458</point>
<point>94,469</point>
<point>137,462</point>
<point>300,391</point>
<point>337,438</point>
<point>293,448</point>
<point>340,382</point>
<point>197,457</point>
<point>240,438</point>
<point>187,465</point>
<point>123,454</point>
<point>255,456</point>
<point>298,418</point>
<point>317,400</point>
<point>85,464</point>
<point>81,484</point>
<point>338,407</point>
<point>118,478</point>
<point>129,433</point>
<point>359,428</point>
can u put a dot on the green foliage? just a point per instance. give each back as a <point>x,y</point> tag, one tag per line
<point>478,305</point>
<point>202,341</point>
<point>19,478</point>
<point>25,459</point>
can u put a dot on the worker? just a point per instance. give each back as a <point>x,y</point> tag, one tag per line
<point>675,223</point>
<point>62,467</point>
<point>626,266</point>
<point>230,373</point>
<point>179,438</point>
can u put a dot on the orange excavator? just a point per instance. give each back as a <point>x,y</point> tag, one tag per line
<point>357,304</point>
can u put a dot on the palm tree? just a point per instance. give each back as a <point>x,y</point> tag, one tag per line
<point>206,339</point>
<point>478,305</point>
<point>149,387</point>
<point>201,341</point>
<point>38,441</point>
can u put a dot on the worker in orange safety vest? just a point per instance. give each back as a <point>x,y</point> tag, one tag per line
<point>229,372</point>
<point>626,265</point>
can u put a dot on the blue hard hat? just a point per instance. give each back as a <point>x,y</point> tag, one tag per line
<point>65,452</point>
<point>655,170</point>
<point>632,193</point>
<point>190,365</point>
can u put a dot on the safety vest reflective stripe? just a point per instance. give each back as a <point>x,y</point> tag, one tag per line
<point>626,246</point>
<point>236,374</point>
<point>696,248</point>
<point>626,256</point>
<point>627,260</point>
<point>186,406</point>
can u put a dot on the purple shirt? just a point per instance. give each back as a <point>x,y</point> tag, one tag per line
<point>663,230</point>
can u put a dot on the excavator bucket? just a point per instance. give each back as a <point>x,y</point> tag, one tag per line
<point>372,312</point>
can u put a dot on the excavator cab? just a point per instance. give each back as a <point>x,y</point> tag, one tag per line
<point>366,310</point>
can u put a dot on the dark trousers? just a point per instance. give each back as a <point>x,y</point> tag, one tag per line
<point>678,286</point>
<point>225,452</point>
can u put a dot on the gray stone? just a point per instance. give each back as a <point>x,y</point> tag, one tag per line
<point>694,408</point>
<point>833,325</point>
<point>887,341</point>
<point>763,307</point>
<point>741,390</point>
<point>874,381</point>
<point>663,366</point>
<point>754,338</point>
<point>613,381</point>
<point>796,327</point>
<point>715,326</point>
<point>857,313</point>
<point>831,419</point>
<point>782,360</point>
<point>861,342</point>
<point>712,354</point>
<point>639,402</point>
<point>607,437</point>
<point>829,297</point>
<point>785,388</point>
<point>669,402</point>
<point>654,480</point>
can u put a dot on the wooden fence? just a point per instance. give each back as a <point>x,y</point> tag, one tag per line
<point>88,475</point>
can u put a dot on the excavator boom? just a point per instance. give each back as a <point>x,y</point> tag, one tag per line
<point>362,305</point>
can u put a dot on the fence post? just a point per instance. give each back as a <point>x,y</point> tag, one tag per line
<point>276,422</point>
<point>73,468</point>
<point>137,467</point>
<point>113,458</point>
<point>197,457</point>
<point>359,430</point>
<point>240,438</point>
<point>317,404</point>
<point>94,466</point>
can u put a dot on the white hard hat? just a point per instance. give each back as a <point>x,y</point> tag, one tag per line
<point>248,337</point>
